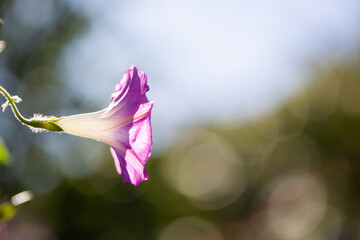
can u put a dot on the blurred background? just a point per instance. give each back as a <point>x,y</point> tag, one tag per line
<point>256,119</point>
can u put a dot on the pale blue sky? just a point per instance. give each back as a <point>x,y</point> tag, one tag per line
<point>207,61</point>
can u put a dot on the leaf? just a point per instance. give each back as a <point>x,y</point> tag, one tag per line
<point>7,212</point>
<point>4,154</point>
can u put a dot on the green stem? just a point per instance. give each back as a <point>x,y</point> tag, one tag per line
<point>48,124</point>
<point>14,108</point>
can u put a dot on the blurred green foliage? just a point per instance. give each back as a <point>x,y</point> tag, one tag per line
<point>4,154</point>
<point>7,211</point>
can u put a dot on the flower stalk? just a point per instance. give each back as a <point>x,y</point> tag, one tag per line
<point>48,123</point>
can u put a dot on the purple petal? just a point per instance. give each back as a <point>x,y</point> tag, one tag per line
<point>139,132</point>
<point>129,167</point>
<point>133,137</point>
<point>129,93</point>
<point>136,140</point>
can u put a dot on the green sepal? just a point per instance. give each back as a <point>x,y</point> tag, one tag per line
<point>46,124</point>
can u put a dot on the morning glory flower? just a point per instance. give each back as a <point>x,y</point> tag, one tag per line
<point>124,125</point>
